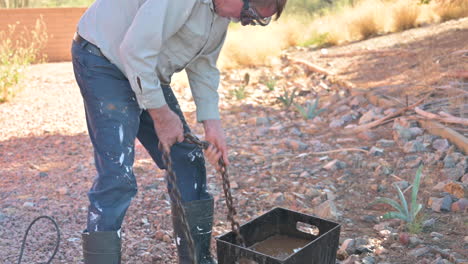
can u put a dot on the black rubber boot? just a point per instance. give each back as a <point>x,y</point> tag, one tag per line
<point>200,217</point>
<point>101,247</point>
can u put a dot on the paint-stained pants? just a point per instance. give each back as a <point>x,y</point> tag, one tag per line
<point>114,120</point>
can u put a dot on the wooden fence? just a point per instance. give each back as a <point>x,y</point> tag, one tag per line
<point>60,23</point>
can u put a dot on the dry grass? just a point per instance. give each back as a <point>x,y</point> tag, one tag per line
<point>250,46</point>
<point>451,9</point>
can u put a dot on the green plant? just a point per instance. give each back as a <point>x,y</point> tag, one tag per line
<point>270,84</point>
<point>287,99</point>
<point>311,110</point>
<point>403,213</point>
<point>240,92</point>
<point>18,48</point>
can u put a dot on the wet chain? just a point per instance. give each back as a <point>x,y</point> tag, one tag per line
<point>226,188</point>
<point>178,207</point>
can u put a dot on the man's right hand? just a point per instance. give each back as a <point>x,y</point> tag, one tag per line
<point>168,126</point>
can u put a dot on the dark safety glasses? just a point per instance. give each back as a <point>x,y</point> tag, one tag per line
<point>250,16</point>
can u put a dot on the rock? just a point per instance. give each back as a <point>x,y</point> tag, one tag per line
<point>452,159</point>
<point>430,223</point>
<point>331,166</point>
<point>453,174</point>
<point>295,131</point>
<point>414,242</point>
<point>262,121</point>
<point>167,239</point>
<point>304,174</point>
<point>348,246</point>
<point>418,252</point>
<point>28,204</point>
<point>351,260</point>
<point>466,239</point>
<point>368,260</point>
<point>401,133</point>
<point>459,190</point>
<point>327,210</point>
<point>336,123</point>
<point>367,136</point>
<point>385,143</point>
<point>460,205</point>
<point>370,116</point>
<point>404,238</point>
<point>363,249</point>
<point>435,234</point>
<point>261,131</point>
<point>370,219</point>
<point>439,187</point>
<point>312,193</point>
<point>441,144</point>
<point>43,174</point>
<point>295,145</point>
<point>414,146</point>
<point>357,101</point>
<point>375,151</point>
<point>159,235</point>
<point>441,204</point>
<point>464,179</point>
<point>415,131</point>
<point>414,164</point>
<point>62,190</point>
<point>402,184</point>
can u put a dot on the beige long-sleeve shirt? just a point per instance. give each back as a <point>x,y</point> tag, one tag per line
<point>150,40</point>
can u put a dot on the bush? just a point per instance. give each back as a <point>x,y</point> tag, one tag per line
<point>19,48</point>
<point>451,9</point>
<point>404,17</point>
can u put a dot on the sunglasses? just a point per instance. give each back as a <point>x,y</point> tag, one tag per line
<point>250,16</point>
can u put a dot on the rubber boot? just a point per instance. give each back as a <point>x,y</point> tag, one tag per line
<point>200,217</point>
<point>101,247</point>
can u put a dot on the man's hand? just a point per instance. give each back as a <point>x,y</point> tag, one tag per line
<point>168,126</point>
<point>214,134</point>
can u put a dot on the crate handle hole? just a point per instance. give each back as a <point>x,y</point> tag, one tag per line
<point>308,228</point>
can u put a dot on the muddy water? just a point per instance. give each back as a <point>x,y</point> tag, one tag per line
<point>279,246</point>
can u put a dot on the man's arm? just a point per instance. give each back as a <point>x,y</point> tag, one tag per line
<point>204,78</point>
<point>154,23</point>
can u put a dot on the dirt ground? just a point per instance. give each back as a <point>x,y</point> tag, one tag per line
<point>47,167</point>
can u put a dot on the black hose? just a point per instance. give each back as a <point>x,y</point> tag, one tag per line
<point>57,242</point>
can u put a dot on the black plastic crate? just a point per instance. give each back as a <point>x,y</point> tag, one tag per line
<point>319,249</point>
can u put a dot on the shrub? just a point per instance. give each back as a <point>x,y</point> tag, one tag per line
<point>19,48</point>
<point>404,17</point>
<point>451,9</point>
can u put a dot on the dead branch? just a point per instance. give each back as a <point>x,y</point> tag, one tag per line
<point>443,117</point>
<point>312,67</point>
<point>385,118</point>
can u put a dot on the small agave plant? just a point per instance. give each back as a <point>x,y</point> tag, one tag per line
<point>403,213</point>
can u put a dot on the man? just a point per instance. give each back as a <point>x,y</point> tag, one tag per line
<point>124,54</point>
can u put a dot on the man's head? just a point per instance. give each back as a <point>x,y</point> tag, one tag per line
<point>250,12</point>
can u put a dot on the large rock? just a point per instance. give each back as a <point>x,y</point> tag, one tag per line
<point>460,205</point>
<point>327,210</point>
<point>441,204</point>
<point>458,189</point>
<point>441,144</point>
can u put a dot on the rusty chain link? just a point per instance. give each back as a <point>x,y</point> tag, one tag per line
<point>226,187</point>
<point>176,198</point>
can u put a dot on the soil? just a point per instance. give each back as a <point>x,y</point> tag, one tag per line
<point>47,167</point>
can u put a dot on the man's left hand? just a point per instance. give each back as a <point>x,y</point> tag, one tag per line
<point>214,133</point>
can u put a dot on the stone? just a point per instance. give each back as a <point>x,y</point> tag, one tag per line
<point>336,123</point>
<point>414,242</point>
<point>458,189</point>
<point>295,131</point>
<point>415,131</point>
<point>401,133</point>
<point>441,204</point>
<point>370,116</point>
<point>414,164</point>
<point>414,146</point>
<point>435,234</point>
<point>441,144</point>
<point>385,143</point>
<point>312,193</point>
<point>262,121</point>
<point>167,239</point>
<point>367,136</point>
<point>452,159</point>
<point>430,223</point>
<point>453,174</point>
<point>294,144</point>
<point>368,260</point>
<point>351,260</point>
<point>62,190</point>
<point>357,101</point>
<point>402,184</point>
<point>331,166</point>
<point>460,205</point>
<point>370,219</point>
<point>464,179</point>
<point>439,187</point>
<point>43,174</point>
<point>327,210</point>
<point>418,252</point>
<point>28,204</point>
<point>348,246</point>
<point>375,151</point>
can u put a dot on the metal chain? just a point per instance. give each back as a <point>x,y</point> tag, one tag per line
<point>226,187</point>
<point>174,193</point>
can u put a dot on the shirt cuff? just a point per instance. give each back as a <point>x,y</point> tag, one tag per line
<point>153,98</point>
<point>207,111</point>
